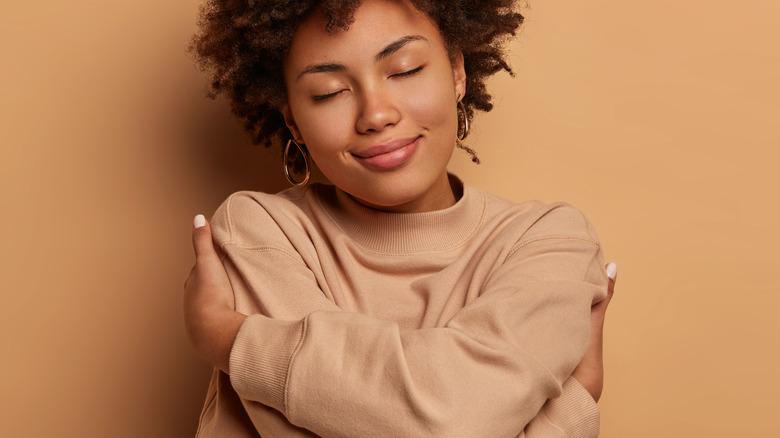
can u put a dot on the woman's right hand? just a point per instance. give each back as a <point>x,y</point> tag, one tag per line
<point>590,371</point>
<point>210,320</point>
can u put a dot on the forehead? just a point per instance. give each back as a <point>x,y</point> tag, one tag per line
<point>376,23</point>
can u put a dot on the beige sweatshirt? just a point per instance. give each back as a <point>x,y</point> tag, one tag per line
<point>463,322</point>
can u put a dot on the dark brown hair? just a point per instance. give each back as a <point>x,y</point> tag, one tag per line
<point>241,44</point>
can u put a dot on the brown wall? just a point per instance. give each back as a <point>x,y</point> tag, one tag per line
<point>658,119</point>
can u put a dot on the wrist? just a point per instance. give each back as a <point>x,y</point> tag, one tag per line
<point>216,335</point>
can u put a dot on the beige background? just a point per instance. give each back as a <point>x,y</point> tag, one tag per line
<point>658,119</point>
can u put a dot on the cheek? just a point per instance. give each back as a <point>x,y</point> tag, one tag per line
<point>324,130</point>
<point>326,136</point>
<point>432,104</point>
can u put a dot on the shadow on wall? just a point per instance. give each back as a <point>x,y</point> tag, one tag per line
<point>210,156</point>
<point>224,154</point>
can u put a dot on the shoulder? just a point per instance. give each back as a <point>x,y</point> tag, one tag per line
<point>250,219</point>
<point>532,220</point>
<point>560,239</point>
<point>560,219</point>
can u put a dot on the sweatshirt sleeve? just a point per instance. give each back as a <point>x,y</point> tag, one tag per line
<point>487,372</point>
<point>574,414</point>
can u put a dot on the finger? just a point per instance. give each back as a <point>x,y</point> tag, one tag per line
<point>599,309</point>
<point>201,237</point>
<point>611,269</point>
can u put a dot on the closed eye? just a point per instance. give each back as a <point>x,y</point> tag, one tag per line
<point>322,97</point>
<point>408,73</point>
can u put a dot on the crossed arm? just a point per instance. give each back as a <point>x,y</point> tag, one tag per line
<point>212,324</point>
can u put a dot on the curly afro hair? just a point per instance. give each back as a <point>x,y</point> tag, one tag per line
<point>241,44</point>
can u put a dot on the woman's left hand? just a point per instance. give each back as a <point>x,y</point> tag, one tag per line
<point>209,316</point>
<point>590,371</point>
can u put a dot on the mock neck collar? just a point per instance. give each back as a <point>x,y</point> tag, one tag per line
<point>405,233</point>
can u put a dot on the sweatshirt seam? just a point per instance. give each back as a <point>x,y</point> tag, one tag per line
<point>518,246</point>
<point>229,209</point>
<point>524,243</point>
<point>265,248</point>
<point>232,242</point>
<point>298,346</point>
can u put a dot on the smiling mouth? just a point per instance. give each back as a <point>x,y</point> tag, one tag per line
<point>389,155</point>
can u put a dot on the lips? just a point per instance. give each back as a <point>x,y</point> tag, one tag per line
<point>388,155</point>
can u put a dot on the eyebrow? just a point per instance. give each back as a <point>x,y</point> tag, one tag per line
<point>321,68</point>
<point>396,46</point>
<point>384,53</point>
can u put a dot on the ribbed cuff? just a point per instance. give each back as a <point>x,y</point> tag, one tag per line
<point>260,359</point>
<point>574,412</point>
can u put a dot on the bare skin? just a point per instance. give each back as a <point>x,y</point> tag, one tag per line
<point>212,324</point>
<point>590,371</point>
<point>209,318</point>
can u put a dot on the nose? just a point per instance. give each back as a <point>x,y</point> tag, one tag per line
<point>377,111</point>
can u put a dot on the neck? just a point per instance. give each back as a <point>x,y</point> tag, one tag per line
<point>444,194</point>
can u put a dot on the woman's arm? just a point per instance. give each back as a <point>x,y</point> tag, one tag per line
<point>565,415</point>
<point>209,318</point>
<point>590,370</point>
<point>361,335</point>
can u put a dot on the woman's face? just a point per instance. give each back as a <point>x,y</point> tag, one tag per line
<point>375,105</point>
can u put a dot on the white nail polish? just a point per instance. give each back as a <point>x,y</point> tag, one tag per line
<point>612,270</point>
<point>200,221</point>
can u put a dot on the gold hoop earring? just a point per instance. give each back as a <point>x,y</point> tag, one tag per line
<point>288,161</point>
<point>460,139</point>
<point>462,110</point>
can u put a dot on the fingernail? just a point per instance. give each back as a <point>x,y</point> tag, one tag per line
<point>612,271</point>
<point>200,221</point>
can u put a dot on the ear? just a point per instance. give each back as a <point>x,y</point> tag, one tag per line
<point>459,74</point>
<point>290,122</point>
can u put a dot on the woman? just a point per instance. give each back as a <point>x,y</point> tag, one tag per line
<point>398,301</point>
